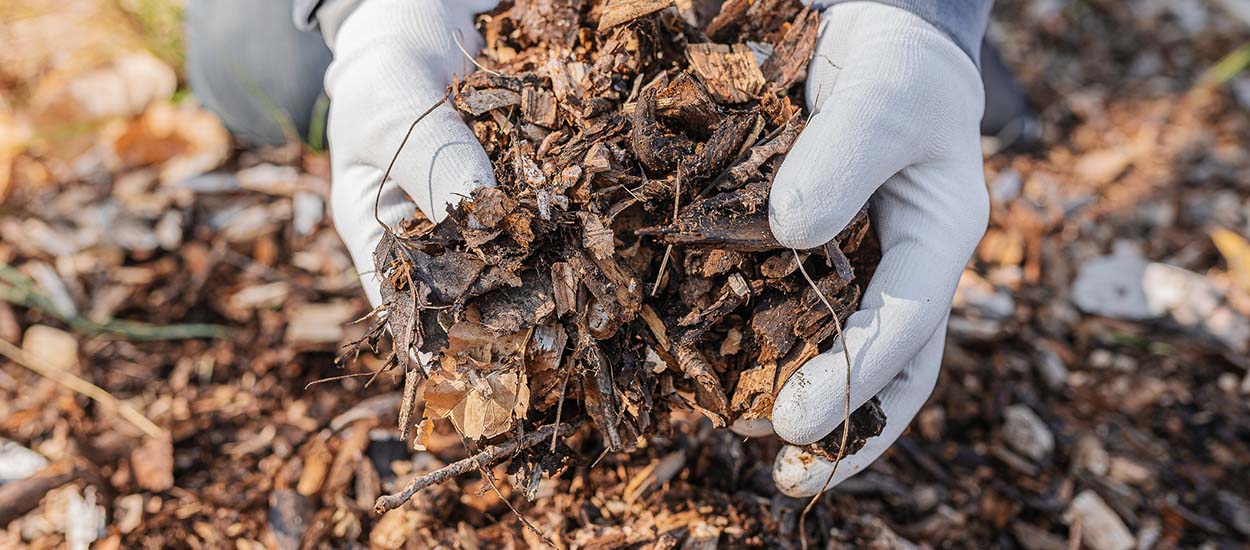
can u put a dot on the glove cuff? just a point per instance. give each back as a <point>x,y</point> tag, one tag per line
<point>964,21</point>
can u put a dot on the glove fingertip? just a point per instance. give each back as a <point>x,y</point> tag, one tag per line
<point>802,407</point>
<point>798,473</point>
<point>789,216</point>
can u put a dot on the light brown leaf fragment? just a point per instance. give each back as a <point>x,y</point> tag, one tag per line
<point>729,72</point>
<point>619,12</point>
<point>480,406</point>
<point>597,239</point>
<point>489,206</point>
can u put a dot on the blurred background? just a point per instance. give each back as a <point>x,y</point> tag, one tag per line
<point>166,297</point>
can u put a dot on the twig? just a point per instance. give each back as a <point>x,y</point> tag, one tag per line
<point>846,420</point>
<point>456,36</point>
<point>489,476</point>
<point>96,393</point>
<point>559,409</point>
<point>488,456</point>
<point>337,378</point>
<point>490,479</point>
<point>387,174</point>
<point>668,250</point>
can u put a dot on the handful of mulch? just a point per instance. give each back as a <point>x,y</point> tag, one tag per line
<point>623,268</point>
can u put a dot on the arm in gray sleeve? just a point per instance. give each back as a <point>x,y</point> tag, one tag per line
<point>323,14</point>
<point>963,20</point>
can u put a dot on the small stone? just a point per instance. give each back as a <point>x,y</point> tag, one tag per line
<point>976,295</point>
<point>1025,432</point>
<point>1090,456</point>
<point>1124,363</point>
<point>53,347</point>
<point>128,512</point>
<point>168,230</point>
<point>1112,286</point>
<point>319,325</point>
<point>270,179</point>
<point>1005,187</point>
<point>308,210</point>
<point>931,421</point>
<point>153,464</point>
<point>924,498</point>
<point>1101,358</point>
<point>393,529</point>
<point>1051,370</point>
<point>18,462</point>
<point>1236,511</point>
<point>1128,471</point>
<point>289,517</point>
<point>1101,528</point>
<point>83,519</point>
<point>1032,537</point>
<point>1227,382</point>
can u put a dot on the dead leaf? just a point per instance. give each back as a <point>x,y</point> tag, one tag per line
<point>1236,252</point>
<point>479,406</point>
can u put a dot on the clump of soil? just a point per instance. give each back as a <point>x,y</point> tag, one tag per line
<point>623,268</point>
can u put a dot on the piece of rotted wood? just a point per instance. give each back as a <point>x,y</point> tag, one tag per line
<point>619,12</point>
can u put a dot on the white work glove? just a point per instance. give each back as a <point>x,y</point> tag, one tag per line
<point>393,59</point>
<point>897,113</point>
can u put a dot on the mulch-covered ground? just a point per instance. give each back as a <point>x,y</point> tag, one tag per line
<point>1095,387</point>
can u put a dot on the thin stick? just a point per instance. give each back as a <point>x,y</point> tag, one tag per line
<point>846,420</point>
<point>387,174</point>
<point>559,409</point>
<point>337,378</point>
<point>96,393</point>
<point>456,36</point>
<point>668,250</point>
<point>489,476</point>
<point>488,456</point>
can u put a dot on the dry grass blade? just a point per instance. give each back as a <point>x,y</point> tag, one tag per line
<point>377,201</point>
<point>96,393</point>
<point>846,418</point>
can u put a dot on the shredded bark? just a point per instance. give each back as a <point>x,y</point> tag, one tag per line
<point>623,268</point>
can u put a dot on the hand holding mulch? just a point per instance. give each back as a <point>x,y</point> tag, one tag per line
<point>623,267</point>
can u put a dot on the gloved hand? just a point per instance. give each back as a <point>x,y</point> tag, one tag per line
<point>898,106</point>
<point>393,59</point>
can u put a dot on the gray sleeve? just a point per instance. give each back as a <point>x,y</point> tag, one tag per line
<point>306,14</point>
<point>325,15</point>
<point>963,20</point>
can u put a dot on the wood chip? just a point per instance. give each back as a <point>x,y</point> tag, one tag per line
<point>730,73</point>
<point>619,12</point>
